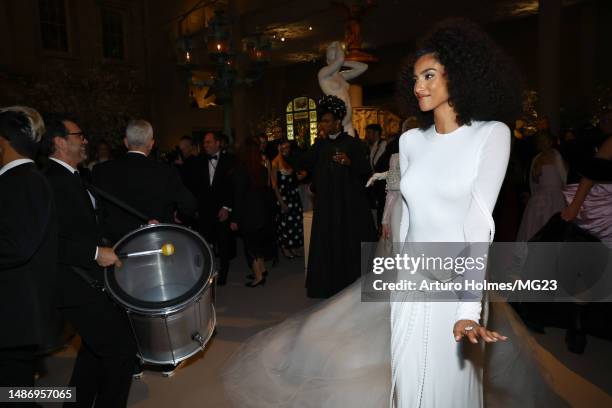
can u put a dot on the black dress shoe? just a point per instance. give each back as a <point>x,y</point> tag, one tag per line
<point>138,370</point>
<point>252,275</point>
<point>254,284</point>
<point>576,341</point>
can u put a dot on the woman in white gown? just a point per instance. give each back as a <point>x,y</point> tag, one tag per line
<point>349,353</point>
<point>547,178</point>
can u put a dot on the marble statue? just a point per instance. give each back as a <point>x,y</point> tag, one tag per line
<point>334,82</point>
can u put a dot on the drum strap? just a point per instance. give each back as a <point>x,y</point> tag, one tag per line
<point>119,203</point>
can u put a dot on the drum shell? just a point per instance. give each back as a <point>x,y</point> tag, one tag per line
<point>170,330</point>
<point>172,338</point>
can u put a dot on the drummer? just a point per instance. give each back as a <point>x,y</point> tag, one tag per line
<point>152,188</point>
<point>103,368</point>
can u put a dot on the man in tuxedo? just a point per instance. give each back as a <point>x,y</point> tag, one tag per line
<point>377,191</point>
<point>210,180</point>
<point>103,368</point>
<point>154,189</point>
<point>28,248</point>
<point>187,150</point>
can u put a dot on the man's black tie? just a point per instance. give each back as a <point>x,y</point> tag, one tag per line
<point>79,179</point>
<point>84,189</point>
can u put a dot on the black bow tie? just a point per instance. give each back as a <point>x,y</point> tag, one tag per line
<point>212,157</point>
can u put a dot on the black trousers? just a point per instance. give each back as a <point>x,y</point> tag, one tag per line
<point>222,238</point>
<point>105,363</point>
<point>17,367</point>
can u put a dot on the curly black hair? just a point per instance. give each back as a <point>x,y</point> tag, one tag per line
<point>331,104</point>
<point>483,82</point>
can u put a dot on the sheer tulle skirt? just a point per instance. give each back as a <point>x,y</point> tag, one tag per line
<point>337,354</point>
<point>333,355</point>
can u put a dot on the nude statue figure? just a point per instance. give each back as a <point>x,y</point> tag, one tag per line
<point>334,82</point>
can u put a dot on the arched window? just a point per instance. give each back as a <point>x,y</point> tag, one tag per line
<point>301,116</point>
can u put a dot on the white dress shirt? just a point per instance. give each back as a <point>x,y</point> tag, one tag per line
<point>73,170</point>
<point>376,150</point>
<point>212,166</point>
<point>13,164</point>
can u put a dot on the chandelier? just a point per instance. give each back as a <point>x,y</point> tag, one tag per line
<point>230,64</point>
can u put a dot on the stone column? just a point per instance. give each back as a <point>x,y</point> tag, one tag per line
<point>356,95</point>
<point>237,117</point>
<point>588,45</point>
<point>549,52</point>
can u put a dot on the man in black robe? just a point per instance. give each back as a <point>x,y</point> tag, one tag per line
<point>341,218</point>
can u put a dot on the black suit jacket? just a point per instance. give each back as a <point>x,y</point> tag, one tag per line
<point>155,189</point>
<point>211,197</point>
<point>28,256</point>
<point>79,235</point>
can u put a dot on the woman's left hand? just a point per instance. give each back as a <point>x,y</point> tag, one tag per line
<point>472,330</point>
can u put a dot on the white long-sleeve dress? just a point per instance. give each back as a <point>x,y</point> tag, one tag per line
<point>450,184</point>
<point>338,354</point>
<point>392,214</point>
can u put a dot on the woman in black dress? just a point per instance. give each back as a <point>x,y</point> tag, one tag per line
<point>289,225</point>
<point>253,212</point>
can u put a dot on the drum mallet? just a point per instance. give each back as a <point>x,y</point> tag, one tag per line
<point>166,250</point>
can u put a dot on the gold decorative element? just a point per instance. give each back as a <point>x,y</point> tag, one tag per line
<point>354,10</point>
<point>201,96</point>
<point>367,115</point>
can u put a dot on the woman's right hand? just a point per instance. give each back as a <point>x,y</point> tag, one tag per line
<point>472,331</point>
<point>233,226</point>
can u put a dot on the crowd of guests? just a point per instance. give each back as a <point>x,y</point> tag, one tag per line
<point>60,220</point>
<point>57,217</point>
<point>558,190</point>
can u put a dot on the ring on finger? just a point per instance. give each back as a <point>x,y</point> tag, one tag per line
<point>468,328</point>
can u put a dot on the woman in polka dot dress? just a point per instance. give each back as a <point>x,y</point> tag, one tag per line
<point>289,222</point>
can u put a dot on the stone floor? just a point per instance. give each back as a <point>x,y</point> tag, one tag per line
<point>584,381</point>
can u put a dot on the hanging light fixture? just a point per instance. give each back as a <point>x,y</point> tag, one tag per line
<point>185,50</point>
<point>221,52</point>
<point>258,49</point>
<point>219,36</point>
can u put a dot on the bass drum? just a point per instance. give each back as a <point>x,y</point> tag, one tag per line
<point>168,298</point>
